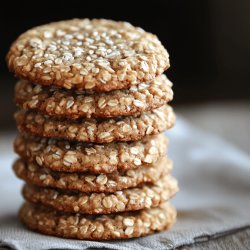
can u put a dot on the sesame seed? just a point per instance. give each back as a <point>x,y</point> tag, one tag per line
<point>68,36</point>
<point>47,34</point>
<point>67,56</point>
<point>113,103</point>
<point>128,222</point>
<point>88,58</point>
<point>144,66</point>
<point>90,178</point>
<point>69,104</point>
<point>52,48</point>
<point>43,177</point>
<point>101,102</point>
<point>138,103</point>
<point>77,65</point>
<point>153,150</point>
<point>58,61</point>
<point>90,151</point>
<point>95,70</point>
<point>37,65</point>
<point>107,202</point>
<point>76,208</point>
<point>66,42</point>
<point>129,230</point>
<point>83,200</point>
<point>137,161</point>
<point>148,159</point>
<point>48,62</point>
<point>106,76</point>
<point>37,88</point>
<point>78,51</point>
<point>104,135</point>
<point>90,85</point>
<point>134,150</point>
<point>122,63</point>
<point>69,159</point>
<point>35,42</point>
<point>60,32</point>
<point>20,61</point>
<point>102,179</point>
<point>79,36</point>
<point>39,161</point>
<point>116,233</point>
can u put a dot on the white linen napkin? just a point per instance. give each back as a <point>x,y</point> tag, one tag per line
<point>214,196</point>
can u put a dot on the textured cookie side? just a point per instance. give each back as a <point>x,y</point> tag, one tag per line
<point>75,104</point>
<point>103,227</point>
<point>146,196</point>
<point>130,128</point>
<point>81,157</point>
<point>44,177</point>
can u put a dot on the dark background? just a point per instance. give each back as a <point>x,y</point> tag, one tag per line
<point>208,42</point>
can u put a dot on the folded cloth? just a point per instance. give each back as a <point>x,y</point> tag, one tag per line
<point>214,196</point>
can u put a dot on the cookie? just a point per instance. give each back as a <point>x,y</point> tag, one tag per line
<point>44,177</point>
<point>99,55</point>
<point>100,227</point>
<point>146,196</point>
<point>130,128</point>
<point>71,104</point>
<point>66,156</point>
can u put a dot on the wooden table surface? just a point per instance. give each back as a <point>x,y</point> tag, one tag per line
<point>235,241</point>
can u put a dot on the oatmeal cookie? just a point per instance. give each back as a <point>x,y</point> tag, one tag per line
<point>146,196</point>
<point>116,181</point>
<point>130,128</point>
<point>61,155</point>
<point>100,227</point>
<point>72,104</point>
<point>98,54</point>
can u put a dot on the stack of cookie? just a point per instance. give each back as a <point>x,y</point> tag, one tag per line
<point>93,105</point>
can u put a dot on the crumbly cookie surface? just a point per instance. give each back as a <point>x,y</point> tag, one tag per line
<point>130,128</point>
<point>99,55</point>
<point>67,156</point>
<point>76,104</point>
<point>146,196</point>
<point>101,227</point>
<point>116,181</point>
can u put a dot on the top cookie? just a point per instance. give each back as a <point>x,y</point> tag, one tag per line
<point>99,55</point>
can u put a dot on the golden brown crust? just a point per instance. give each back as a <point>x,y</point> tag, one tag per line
<point>60,155</point>
<point>101,55</point>
<point>103,227</point>
<point>108,183</point>
<point>75,104</point>
<point>99,131</point>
